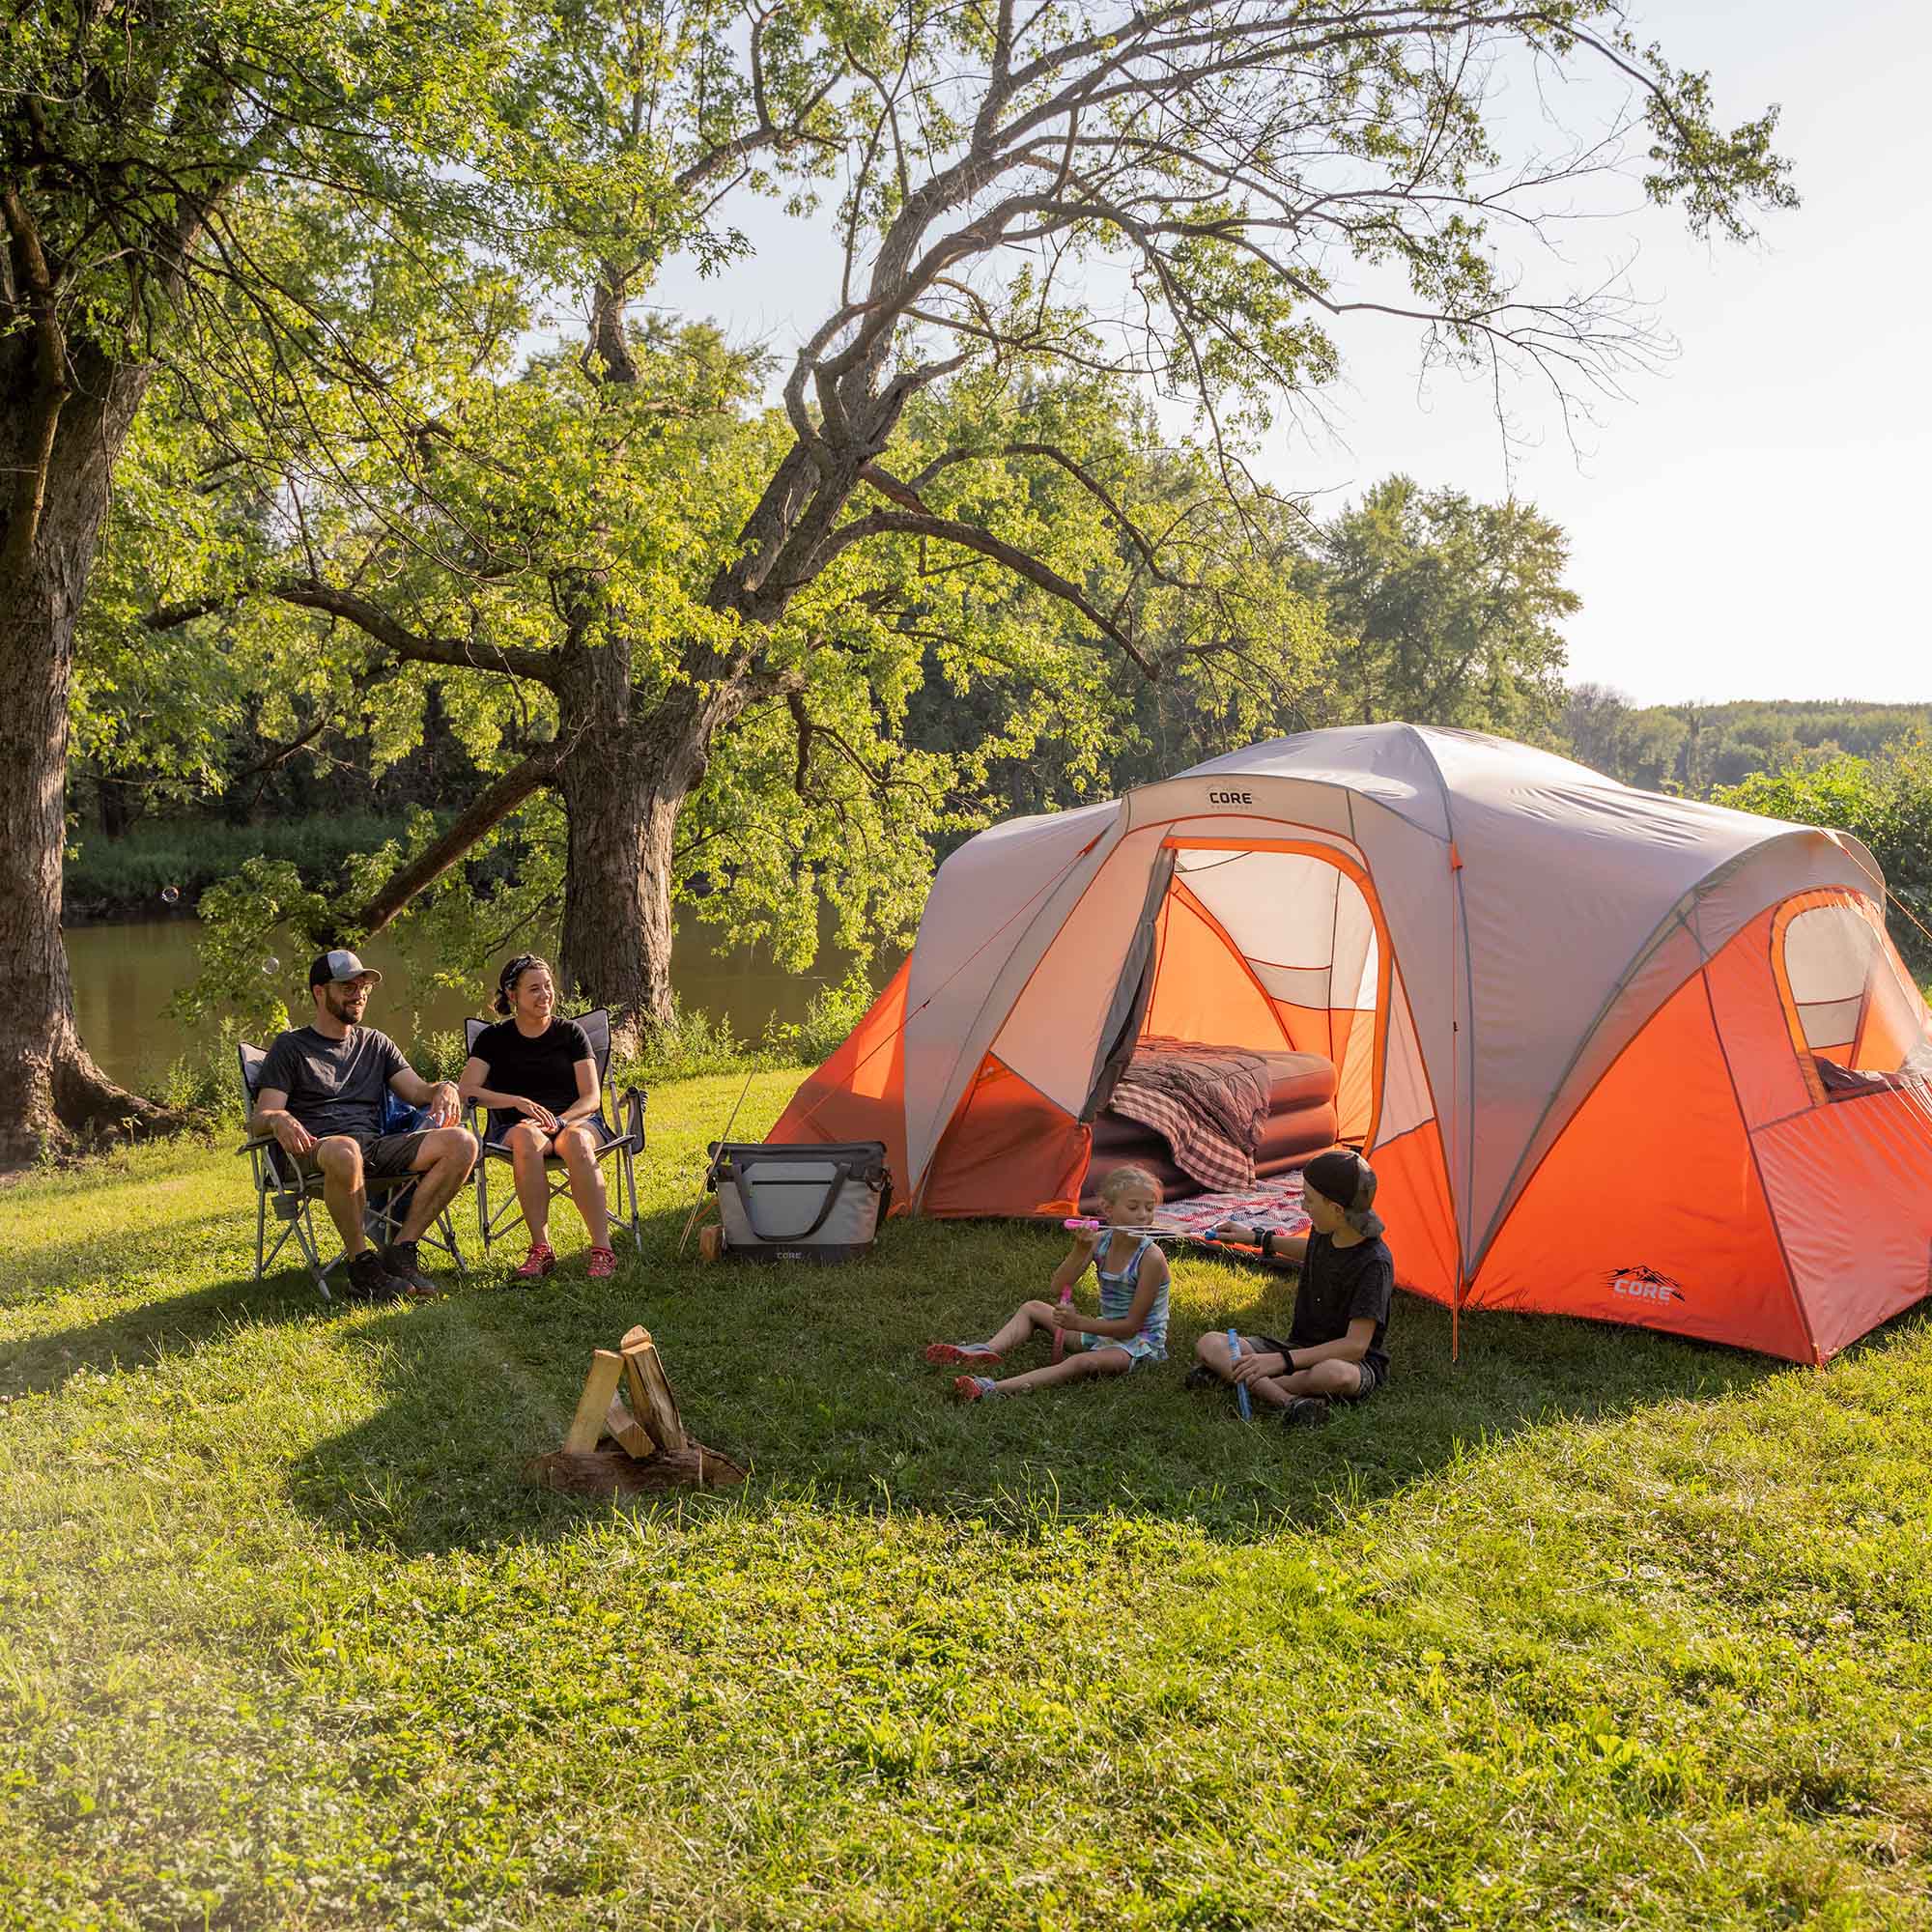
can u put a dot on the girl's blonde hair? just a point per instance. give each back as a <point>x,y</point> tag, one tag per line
<point>1121,1178</point>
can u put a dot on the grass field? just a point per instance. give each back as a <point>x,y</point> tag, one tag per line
<point>1596,1629</point>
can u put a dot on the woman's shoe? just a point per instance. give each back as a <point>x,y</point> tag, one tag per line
<point>538,1263</point>
<point>603,1264</point>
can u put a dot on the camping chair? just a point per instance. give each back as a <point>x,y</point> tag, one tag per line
<point>626,1147</point>
<point>295,1192</point>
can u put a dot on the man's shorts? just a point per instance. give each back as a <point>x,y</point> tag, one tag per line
<point>1373,1375</point>
<point>387,1156</point>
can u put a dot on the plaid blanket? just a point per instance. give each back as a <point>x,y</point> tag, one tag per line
<point>1209,1103</point>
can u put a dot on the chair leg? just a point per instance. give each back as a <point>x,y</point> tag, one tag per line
<point>261,1228</point>
<point>448,1228</point>
<point>304,1227</point>
<point>629,1175</point>
<point>483,1202</point>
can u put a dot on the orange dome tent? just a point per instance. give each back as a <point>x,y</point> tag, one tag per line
<point>1613,1054</point>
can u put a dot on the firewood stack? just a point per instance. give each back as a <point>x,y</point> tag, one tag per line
<point>639,1443</point>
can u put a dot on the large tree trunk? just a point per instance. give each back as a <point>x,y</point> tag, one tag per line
<point>625,778</point>
<point>51,1093</point>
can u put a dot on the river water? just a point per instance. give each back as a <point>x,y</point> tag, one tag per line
<point>123,976</point>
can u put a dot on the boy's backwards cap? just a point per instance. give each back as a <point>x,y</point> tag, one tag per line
<point>1343,1177</point>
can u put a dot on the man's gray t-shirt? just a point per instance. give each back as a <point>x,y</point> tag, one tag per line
<point>334,1085</point>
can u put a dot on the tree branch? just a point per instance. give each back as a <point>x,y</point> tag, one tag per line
<point>483,815</point>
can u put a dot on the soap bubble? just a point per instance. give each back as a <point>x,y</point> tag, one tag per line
<point>170,894</point>
<point>271,965</point>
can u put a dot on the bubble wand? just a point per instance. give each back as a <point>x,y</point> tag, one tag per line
<point>1242,1401</point>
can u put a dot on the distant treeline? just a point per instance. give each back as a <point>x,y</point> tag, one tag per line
<point>1693,749</point>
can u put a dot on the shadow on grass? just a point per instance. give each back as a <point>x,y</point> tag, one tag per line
<point>146,1332</point>
<point>813,1378</point>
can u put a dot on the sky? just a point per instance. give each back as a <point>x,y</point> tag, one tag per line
<point>1742,523</point>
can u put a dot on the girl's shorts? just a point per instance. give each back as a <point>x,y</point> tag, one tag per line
<point>1142,1348</point>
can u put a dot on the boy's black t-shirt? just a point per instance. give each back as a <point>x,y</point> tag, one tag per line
<point>1340,1286</point>
<point>543,1069</point>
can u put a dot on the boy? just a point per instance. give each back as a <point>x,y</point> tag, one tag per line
<point>1334,1348</point>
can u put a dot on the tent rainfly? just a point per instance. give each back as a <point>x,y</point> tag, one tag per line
<point>1613,1054</point>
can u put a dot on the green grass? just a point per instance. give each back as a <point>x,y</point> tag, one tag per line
<point>1596,1629</point>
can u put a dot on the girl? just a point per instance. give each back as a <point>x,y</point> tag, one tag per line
<point>543,1100</point>
<point>1334,1350</point>
<point>1132,1323</point>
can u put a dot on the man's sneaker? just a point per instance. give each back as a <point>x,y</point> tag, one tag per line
<point>370,1281</point>
<point>400,1259</point>
<point>1304,1412</point>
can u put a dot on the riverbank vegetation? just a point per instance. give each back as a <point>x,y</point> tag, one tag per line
<point>1570,1633</point>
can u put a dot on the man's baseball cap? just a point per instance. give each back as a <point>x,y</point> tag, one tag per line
<point>332,968</point>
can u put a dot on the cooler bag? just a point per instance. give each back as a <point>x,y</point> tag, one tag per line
<point>800,1204</point>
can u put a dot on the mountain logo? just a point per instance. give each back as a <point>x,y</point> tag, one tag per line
<point>1644,1284</point>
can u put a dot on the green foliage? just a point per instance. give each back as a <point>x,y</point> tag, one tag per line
<point>1886,802</point>
<point>244,918</point>
<point>1445,612</point>
<point>1587,1658</point>
<point>128,874</point>
<point>1693,748</point>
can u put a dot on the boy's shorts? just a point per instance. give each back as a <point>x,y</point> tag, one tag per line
<point>1373,1375</point>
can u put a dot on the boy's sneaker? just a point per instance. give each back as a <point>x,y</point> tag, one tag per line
<point>400,1259</point>
<point>1201,1377</point>
<point>1304,1412</point>
<point>369,1280</point>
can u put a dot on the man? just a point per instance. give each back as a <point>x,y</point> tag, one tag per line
<point>321,1097</point>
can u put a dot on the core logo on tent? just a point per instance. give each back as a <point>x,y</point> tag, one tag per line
<point>1231,798</point>
<point>1644,1284</point>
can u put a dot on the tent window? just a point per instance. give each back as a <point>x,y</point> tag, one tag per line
<point>1849,994</point>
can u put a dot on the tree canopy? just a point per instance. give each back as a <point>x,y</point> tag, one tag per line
<point>315,243</point>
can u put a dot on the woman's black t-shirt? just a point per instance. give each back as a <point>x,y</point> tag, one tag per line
<point>543,1069</point>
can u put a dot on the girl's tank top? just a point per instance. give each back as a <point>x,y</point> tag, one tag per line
<point>1117,1286</point>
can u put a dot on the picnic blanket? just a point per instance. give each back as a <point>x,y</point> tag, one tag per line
<point>1268,1204</point>
<point>1209,1103</point>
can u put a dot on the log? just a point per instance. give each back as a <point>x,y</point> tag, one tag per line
<point>627,1432</point>
<point>651,1395</point>
<point>600,1385</point>
<point>608,1471</point>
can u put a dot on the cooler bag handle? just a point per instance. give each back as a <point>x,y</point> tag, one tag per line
<point>747,1196</point>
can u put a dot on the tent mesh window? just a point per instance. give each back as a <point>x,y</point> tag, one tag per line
<point>1853,1002</point>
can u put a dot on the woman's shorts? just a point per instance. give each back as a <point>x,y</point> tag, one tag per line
<point>1142,1348</point>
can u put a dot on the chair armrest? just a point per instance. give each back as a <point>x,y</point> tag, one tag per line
<point>258,1141</point>
<point>633,1102</point>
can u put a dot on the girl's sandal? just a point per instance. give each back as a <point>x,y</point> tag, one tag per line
<point>603,1264</point>
<point>538,1263</point>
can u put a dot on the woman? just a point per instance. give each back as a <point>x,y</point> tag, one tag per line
<point>538,1072</point>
